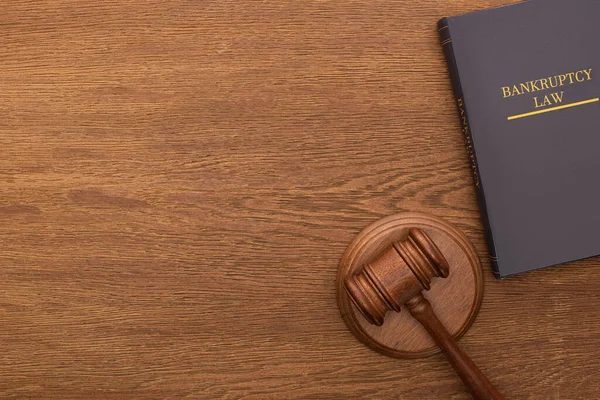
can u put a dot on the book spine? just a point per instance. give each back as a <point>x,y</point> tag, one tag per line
<point>448,47</point>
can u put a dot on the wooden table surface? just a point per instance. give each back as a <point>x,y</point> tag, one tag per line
<point>180,179</point>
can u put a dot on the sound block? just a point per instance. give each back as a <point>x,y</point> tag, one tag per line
<point>456,299</point>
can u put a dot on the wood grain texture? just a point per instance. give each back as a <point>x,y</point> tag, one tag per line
<point>180,179</point>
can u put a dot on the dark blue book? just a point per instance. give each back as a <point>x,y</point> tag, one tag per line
<point>527,83</point>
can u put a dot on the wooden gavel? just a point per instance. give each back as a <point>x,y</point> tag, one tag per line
<point>396,278</point>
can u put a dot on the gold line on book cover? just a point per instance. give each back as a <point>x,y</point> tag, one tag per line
<point>547,110</point>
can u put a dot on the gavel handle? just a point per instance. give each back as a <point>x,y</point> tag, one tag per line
<point>481,388</point>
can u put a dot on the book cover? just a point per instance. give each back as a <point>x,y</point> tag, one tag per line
<point>527,84</point>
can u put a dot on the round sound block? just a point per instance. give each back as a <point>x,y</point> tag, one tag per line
<point>456,299</point>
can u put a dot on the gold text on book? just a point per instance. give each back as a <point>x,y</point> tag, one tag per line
<point>468,141</point>
<point>551,82</point>
<point>552,101</point>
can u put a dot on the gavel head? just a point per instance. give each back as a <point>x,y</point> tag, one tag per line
<point>397,275</point>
